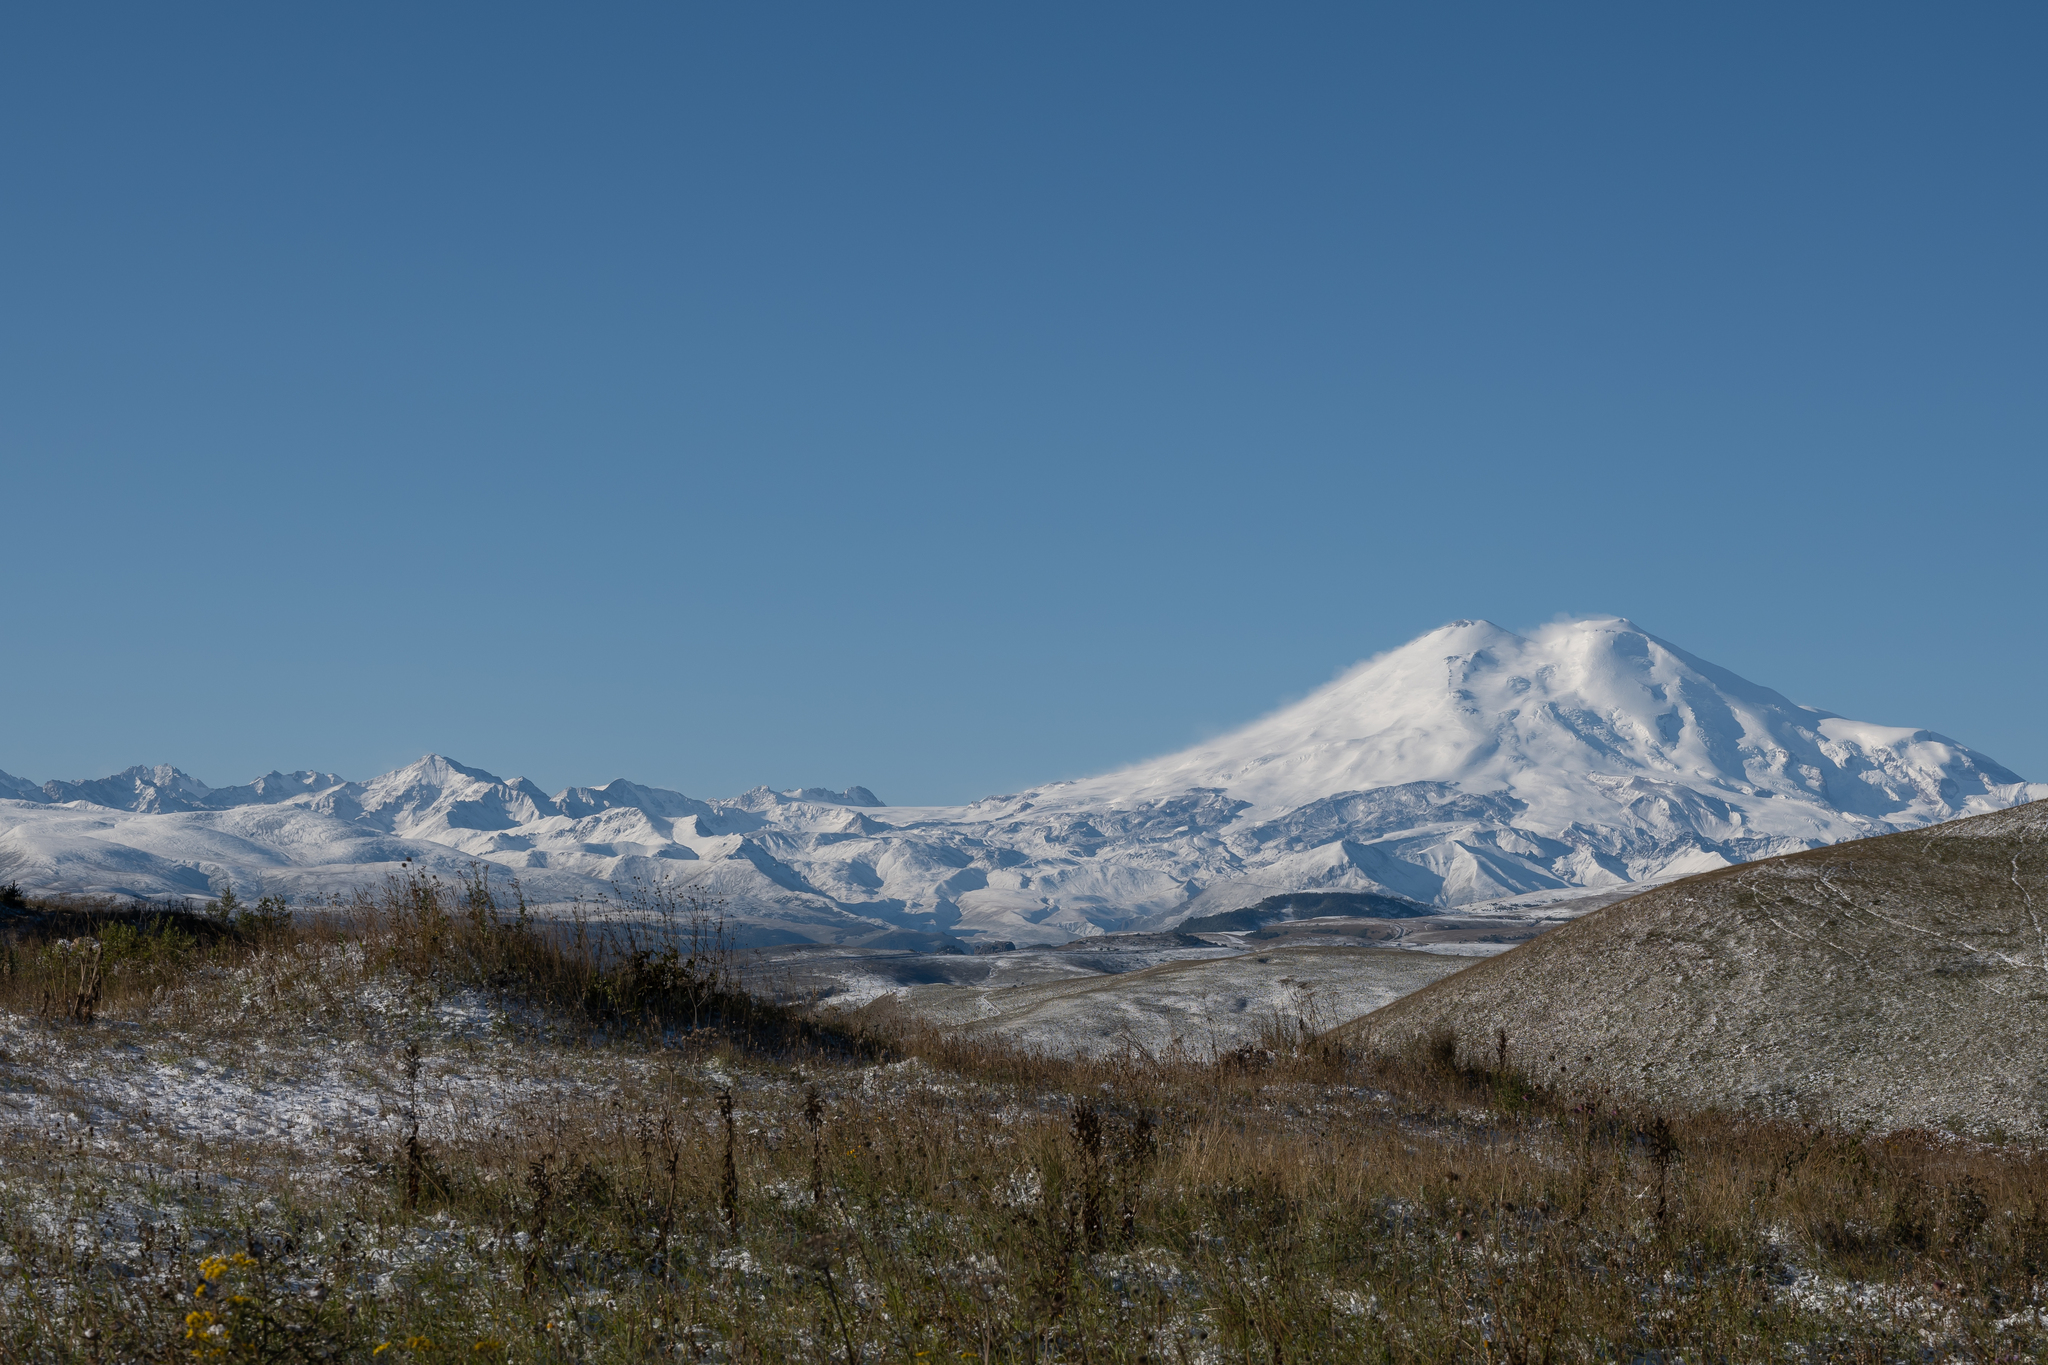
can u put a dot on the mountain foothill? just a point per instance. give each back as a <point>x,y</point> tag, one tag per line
<point>1893,982</point>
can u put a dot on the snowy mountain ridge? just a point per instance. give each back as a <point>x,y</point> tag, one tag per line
<point>1470,765</point>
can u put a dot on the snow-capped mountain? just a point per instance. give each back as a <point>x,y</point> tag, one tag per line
<point>1470,765</point>
<point>163,788</point>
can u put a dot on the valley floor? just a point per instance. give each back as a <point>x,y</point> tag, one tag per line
<point>1155,993</point>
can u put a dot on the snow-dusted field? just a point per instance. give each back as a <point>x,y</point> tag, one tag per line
<point>301,1156</point>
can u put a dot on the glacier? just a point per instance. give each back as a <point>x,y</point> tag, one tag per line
<point>1471,767</point>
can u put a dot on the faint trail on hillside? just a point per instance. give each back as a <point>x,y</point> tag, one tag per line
<point>2002,1055</point>
<point>1857,959</point>
<point>1860,959</point>
<point>1967,947</point>
<point>2032,914</point>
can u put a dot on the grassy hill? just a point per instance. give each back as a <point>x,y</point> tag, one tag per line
<point>1892,982</point>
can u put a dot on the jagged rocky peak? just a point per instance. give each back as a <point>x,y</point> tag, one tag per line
<point>14,788</point>
<point>142,788</point>
<point>825,796</point>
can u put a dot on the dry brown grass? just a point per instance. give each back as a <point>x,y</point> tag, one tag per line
<point>725,1181</point>
<point>652,957</point>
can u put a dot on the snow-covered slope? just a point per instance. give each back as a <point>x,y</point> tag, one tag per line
<point>1469,765</point>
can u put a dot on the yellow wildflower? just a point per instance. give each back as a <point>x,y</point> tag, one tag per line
<point>381,1349</point>
<point>212,1337</point>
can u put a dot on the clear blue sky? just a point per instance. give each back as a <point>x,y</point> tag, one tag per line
<point>951,398</point>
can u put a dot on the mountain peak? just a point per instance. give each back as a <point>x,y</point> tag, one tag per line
<point>852,796</point>
<point>1468,634</point>
<point>440,767</point>
<point>14,788</point>
<point>1537,715</point>
<point>160,787</point>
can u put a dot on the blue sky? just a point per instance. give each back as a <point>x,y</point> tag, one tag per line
<point>952,398</point>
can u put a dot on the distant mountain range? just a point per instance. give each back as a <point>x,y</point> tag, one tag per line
<point>1470,765</point>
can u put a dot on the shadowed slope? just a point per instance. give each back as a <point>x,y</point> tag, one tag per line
<point>1900,981</point>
